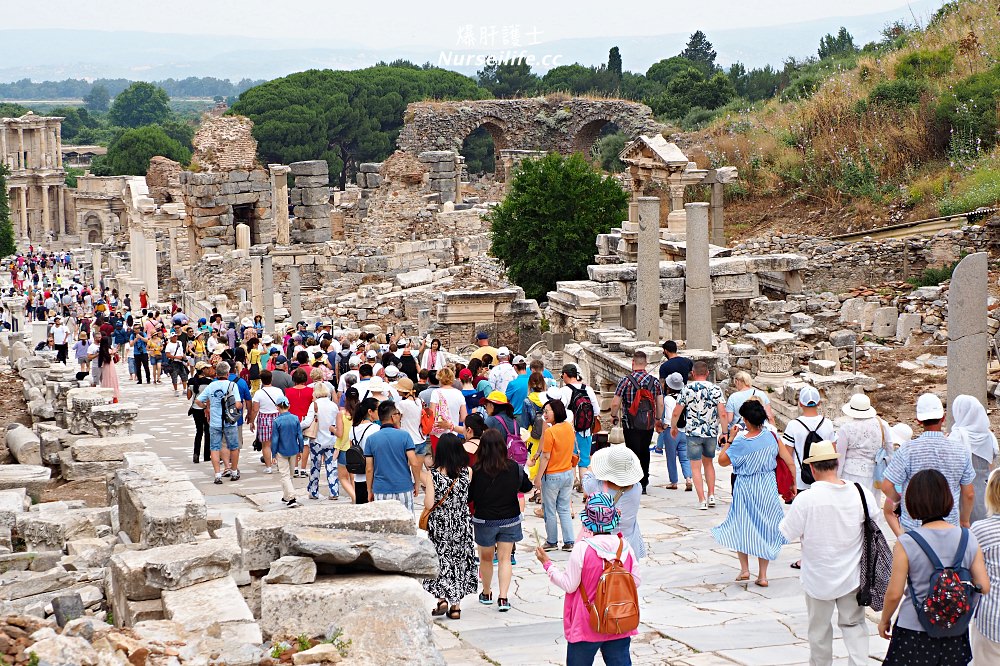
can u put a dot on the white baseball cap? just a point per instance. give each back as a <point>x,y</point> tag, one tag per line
<point>503,351</point>
<point>809,396</point>
<point>372,353</point>
<point>392,371</point>
<point>929,407</point>
<point>519,360</point>
<point>354,361</point>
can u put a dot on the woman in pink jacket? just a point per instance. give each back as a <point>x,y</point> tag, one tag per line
<point>599,540</point>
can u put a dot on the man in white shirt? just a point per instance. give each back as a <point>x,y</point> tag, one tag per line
<point>798,429</point>
<point>60,340</point>
<point>503,372</point>
<point>354,362</point>
<point>828,521</point>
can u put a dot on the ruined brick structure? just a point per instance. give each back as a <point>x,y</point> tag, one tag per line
<point>225,143</point>
<point>541,123</point>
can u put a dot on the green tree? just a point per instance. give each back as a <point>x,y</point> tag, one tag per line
<point>842,44</point>
<point>699,51</point>
<point>573,78</point>
<point>615,66</point>
<point>75,120</point>
<point>608,148</point>
<point>7,246</point>
<point>510,78</point>
<point>130,153</point>
<point>180,131</point>
<point>665,71</point>
<point>97,99</point>
<point>11,110</point>
<point>343,117</point>
<point>140,104</point>
<point>544,230</point>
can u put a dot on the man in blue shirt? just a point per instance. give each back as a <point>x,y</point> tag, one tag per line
<point>140,352</point>
<point>392,470</point>
<point>245,398</point>
<point>517,388</point>
<point>214,397</point>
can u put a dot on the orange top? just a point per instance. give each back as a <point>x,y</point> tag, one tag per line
<point>559,442</point>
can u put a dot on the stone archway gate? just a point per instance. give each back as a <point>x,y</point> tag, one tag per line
<point>564,125</point>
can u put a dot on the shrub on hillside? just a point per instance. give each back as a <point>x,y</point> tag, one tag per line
<point>971,108</point>
<point>897,94</point>
<point>980,189</point>
<point>926,64</point>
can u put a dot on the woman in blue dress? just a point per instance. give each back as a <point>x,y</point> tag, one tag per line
<point>751,528</point>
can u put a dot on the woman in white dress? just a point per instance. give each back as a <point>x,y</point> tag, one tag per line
<point>859,440</point>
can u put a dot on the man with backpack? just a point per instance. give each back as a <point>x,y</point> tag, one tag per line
<point>581,403</point>
<point>222,397</point>
<point>639,402</point>
<point>392,468</point>
<point>707,424</point>
<point>801,433</point>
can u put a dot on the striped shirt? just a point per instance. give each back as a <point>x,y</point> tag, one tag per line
<point>987,532</point>
<point>932,450</point>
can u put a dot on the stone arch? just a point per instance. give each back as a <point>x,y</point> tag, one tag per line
<point>93,236</point>
<point>588,128</point>
<point>498,132</point>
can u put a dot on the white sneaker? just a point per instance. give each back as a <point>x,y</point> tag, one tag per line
<point>268,470</point>
<point>703,506</point>
<point>711,500</point>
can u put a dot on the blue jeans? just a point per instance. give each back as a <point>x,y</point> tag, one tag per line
<point>556,489</point>
<point>227,432</point>
<point>676,450</point>
<point>615,653</point>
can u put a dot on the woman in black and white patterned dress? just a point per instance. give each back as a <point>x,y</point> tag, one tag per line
<point>449,526</point>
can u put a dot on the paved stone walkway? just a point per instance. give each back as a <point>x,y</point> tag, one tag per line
<point>693,612</point>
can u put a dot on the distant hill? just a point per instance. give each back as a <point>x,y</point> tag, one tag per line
<point>45,54</point>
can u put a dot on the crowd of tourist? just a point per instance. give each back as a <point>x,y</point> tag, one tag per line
<point>387,417</point>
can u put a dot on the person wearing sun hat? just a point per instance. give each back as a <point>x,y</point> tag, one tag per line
<point>858,441</point>
<point>825,519</point>
<point>616,470</point>
<point>598,540</point>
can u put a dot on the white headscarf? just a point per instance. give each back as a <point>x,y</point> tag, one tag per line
<point>972,427</point>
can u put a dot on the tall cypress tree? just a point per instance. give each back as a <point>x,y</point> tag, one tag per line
<point>7,246</point>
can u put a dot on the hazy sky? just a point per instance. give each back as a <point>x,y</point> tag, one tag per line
<point>386,23</point>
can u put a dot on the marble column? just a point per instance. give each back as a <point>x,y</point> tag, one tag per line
<point>59,158</point>
<point>267,287</point>
<point>3,144</point>
<point>698,283</point>
<point>24,211</point>
<point>718,215</point>
<point>256,285</point>
<point>150,278</point>
<point>175,264</point>
<point>43,147</point>
<point>677,219</point>
<point>61,210</point>
<point>279,202</point>
<point>46,219</point>
<point>968,336</point>
<point>20,151</point>
<point>242,236</point>
<point>95,261</point>
<point>647,285</point>
<point>295,288</point>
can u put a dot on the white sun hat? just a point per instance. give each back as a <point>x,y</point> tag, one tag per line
<point>860,407</point>
<point>616,464</point>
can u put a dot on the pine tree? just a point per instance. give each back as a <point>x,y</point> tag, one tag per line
<point>7,246</point>
<point>699,51</point>
<point>615,66</point>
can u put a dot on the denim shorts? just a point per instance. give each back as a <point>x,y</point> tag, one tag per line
<point>701,447</point>
<point>582,449</point>
<point>487,536</point>
<point>216,436</point>
<point>423,448</point>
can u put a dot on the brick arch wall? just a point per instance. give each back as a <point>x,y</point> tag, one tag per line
<point>553,123</point>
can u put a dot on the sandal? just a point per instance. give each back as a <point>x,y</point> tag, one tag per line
<point>442,608</point>
<point>742,577</point>
<point>539,512</point>
<point>761,582</point>
<point>455,613</point>
<point>672,486</point>
<point>796,565</point>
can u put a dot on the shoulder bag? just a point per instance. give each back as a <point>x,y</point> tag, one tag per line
<point>876,562</point>
<point>426,513</point>
<point>312,430</point>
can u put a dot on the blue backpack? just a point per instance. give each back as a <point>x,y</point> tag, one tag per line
<point>951,599</point>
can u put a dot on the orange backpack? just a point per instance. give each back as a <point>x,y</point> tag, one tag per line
<point>615,606</point>
<point>427,420</point>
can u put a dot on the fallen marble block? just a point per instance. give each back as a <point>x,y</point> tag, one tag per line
<point>392,553</point>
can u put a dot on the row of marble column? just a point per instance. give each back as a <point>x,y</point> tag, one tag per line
<point>44,148</point>
<point>19,205</point>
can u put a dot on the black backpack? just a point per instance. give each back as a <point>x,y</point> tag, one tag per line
<point>812,436</point>
<point>354,457</point>
<point>582,408</point>
<point>230,414</point>
<point>344,364</point>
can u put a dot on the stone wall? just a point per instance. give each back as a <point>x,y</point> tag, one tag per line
<point>565,125</point>
<point>839,266</point>
<point>310,199</point>
<point>210,199</point>
<point>225,143</point>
